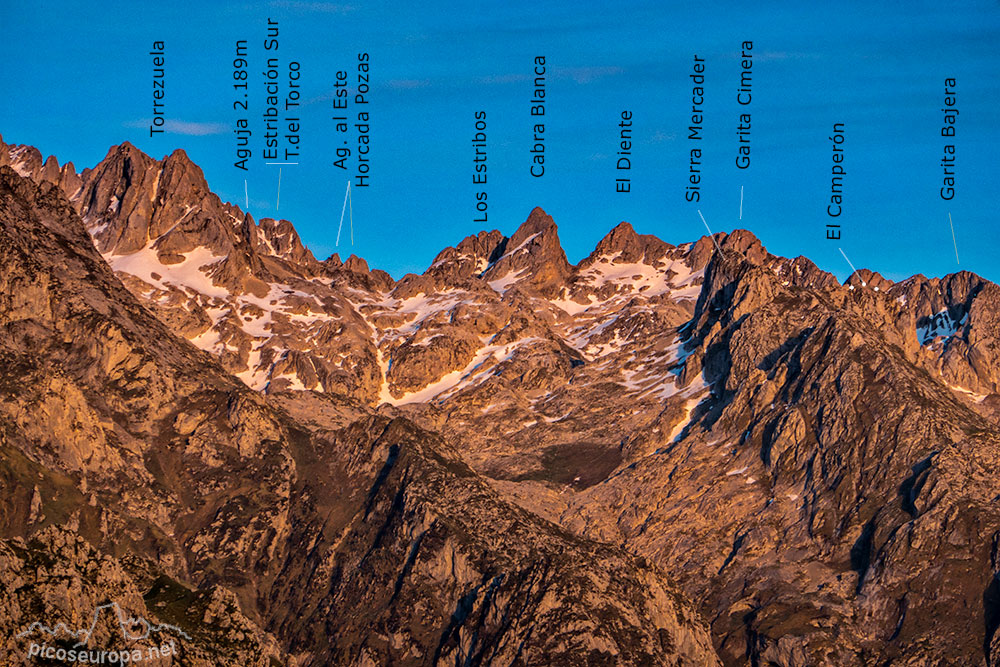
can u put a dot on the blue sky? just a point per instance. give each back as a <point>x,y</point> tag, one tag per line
<point>78,80</point>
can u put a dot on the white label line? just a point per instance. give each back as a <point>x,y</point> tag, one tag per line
<point>953,237</point>
<point>852,266</point>
<point>277,204</point>
<point>343,209</point>
<point>741,202</point>
<point>717,247</point>
<point>246,194</point>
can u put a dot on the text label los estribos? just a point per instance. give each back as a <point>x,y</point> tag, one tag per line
<point>479,166</point>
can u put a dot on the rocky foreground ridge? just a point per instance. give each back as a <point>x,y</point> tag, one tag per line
<point>508,459</point>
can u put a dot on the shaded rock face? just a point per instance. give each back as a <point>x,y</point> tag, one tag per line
<point>534,253</point>
<point>136,467</point>
<point>27,161</point>
<point>958,325</point>
<point>835,475</point>
<point>507,444</point>
<point>107,604</point>
<point>412,581</point>
<point>623,242</point>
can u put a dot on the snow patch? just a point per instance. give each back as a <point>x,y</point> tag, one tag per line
<point>941,325</point>
<point>501,285</point>
<point>572,307</point>
<point>459,379</point>
<point>188,274</point>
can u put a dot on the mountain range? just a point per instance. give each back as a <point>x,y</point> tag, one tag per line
<point>662,455</point>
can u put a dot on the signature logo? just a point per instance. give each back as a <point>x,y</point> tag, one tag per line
<point>133,629</point>
<point>127,624</point>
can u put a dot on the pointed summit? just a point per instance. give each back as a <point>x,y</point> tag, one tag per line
<point>624,245</point>
<point>279,238</point>
<point>116,199</point>
<point>50,170</point>
<point>124,151</point>
<point>538,223</point>
<point>130,200</point>
<point>740,241</point>
<point>533,258</point>
<point>179,154</point>
<point>69,180</point>
<point>620,236</point>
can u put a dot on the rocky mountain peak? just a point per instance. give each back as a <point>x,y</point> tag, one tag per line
<point>532,258</point>
<point>746,243</point>
<point>123,161</point>
<point>27,161</point>
<point>471,257</point>
<point>957,320</point>
<point>626,246</point>
<point>162,212</point>
<point>538,223</point>
<point>281,240</point>
<point>869,279</point>
<point>118,200</point>
<point>483,245</point>
<point>356,264</point>
<point>621,237</point>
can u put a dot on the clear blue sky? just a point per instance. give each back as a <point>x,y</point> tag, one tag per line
<point>77,79</point>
